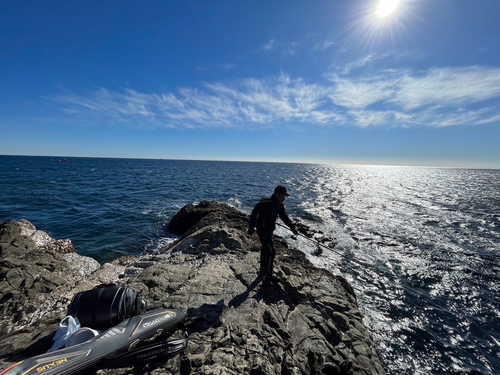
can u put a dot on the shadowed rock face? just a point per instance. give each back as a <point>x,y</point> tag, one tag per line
<point>302,321</point>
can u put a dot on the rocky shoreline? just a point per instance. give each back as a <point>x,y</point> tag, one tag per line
<point>302,321</point>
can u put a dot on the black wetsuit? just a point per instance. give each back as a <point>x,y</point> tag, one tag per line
<point>264,217</point>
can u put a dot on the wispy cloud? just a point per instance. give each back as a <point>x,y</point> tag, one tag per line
<point>436,97</point>
<point>360,93</point>
<point>284,49</point>
<point>247,103</point>
<point>448,86</point>
<point>227,66</point>
<point>353,65</point>
<point>370,118</point>
<point>323,45</point>
<point>269,46</point>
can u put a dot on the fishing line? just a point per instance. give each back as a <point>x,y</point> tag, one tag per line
<point>366,265</point>
<point>327,248</point>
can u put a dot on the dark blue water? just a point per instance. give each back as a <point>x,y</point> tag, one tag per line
<point>421,246</point>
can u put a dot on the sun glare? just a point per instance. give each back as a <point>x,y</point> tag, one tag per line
<point>386,7</point>
<point>377,22</point>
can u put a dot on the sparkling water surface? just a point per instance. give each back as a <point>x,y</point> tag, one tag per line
<point>421,246</point>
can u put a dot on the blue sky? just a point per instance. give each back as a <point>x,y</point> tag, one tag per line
<point>300,81</point>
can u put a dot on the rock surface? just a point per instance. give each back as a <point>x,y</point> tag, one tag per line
<point>304,320</point>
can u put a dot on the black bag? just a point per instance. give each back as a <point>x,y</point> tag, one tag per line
<point>105,306</point>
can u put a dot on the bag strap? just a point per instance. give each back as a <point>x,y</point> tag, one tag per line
<point>140,305</point>
<point>105,285</point>
<point>93,319</point>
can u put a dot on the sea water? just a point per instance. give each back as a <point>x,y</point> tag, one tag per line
<point>421,246</point>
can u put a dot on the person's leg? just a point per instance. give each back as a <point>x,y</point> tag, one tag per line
<point>265,253</point>
<point>272,255</point>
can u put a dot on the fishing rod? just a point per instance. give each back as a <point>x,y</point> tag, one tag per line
<point>363,264</point>
<point>326,247</point>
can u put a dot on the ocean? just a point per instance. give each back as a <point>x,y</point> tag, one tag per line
<point>420,246</point>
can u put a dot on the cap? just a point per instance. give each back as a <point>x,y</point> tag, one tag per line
<point>281,190</point>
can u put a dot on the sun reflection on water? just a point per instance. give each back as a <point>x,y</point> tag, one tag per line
<point>418,276</point>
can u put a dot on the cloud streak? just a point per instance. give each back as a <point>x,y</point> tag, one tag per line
<point>450,86</point>
<point>392,98</point>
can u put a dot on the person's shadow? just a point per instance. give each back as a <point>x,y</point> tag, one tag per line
<point>240,298</point>
<point>204,317</point>
<point>270,291</point>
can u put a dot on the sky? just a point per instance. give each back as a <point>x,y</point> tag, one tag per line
<point>338,81</point>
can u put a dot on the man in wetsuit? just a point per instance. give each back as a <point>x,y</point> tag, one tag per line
<point>264,217</point>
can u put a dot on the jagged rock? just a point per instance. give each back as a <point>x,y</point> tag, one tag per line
<point>38,278</point>
<point>191,218</point>
<point>85,266</point>
<point>303,320</point>
<point>123,260</point>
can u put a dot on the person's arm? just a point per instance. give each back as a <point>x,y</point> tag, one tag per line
<point>286,219</point>
<point>253,218</point>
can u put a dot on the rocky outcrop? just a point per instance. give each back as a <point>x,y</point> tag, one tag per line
<point>38,278</point>
<point>303,320</point>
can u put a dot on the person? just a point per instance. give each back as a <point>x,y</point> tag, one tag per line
<point>264,217</point>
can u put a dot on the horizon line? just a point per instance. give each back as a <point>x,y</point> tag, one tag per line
<point>254,161</point>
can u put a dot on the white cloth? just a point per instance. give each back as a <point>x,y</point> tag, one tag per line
<point>67,327</point>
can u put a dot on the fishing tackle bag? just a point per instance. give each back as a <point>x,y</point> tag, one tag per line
<point>105,306</point>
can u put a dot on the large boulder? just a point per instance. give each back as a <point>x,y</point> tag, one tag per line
<point>191,218</point>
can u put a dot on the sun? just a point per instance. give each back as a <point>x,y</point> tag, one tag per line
<point>381,22</point>
<point>385,7</point>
